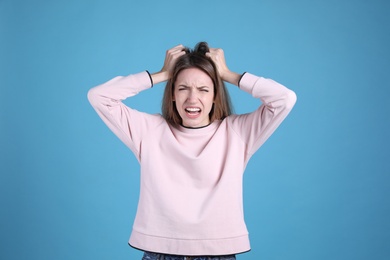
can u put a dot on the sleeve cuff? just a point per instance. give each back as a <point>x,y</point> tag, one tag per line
<point>248,81</point>
<point>150,77</point>
<point>239,80</point>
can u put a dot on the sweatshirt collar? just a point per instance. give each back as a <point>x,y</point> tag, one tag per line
<point>200,130</point>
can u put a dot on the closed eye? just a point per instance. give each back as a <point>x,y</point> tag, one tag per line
<point>204,89</point>
<point>182,88</point>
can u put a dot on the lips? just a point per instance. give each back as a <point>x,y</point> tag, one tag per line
<point>193,111</point>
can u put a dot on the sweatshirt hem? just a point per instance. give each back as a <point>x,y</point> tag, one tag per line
<point>190,247</point>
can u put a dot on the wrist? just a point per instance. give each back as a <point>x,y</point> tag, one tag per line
<point>159,77</point>
<point>231,77</point>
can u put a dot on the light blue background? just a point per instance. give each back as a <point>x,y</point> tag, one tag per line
<point>318,189</point>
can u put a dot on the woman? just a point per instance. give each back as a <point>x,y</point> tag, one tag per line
<point>193,156</point>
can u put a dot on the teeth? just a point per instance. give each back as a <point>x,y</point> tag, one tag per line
<point>193,109</point>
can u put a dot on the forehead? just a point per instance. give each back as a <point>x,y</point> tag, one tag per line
<point>193,76</point>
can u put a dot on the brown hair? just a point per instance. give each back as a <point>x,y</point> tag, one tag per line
<point>196,59</point>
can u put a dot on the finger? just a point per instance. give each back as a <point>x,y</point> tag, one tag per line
<point>179,47</point>
<point>177,55</point>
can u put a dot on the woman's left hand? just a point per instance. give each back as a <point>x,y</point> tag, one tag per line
<point>217,55</point>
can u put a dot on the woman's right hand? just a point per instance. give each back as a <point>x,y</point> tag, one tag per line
<point>171,56</point>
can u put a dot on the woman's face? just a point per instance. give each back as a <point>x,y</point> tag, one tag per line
<point>194,97</point>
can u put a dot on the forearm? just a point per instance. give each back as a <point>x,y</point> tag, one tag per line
<point>159,77</point>
<point>271,93</point>
<point>119,88</point>
<point>231,77</point>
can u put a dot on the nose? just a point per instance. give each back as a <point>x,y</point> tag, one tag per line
<point>192,96</point>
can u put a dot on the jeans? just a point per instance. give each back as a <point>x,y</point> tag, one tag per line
<point>155,256</point>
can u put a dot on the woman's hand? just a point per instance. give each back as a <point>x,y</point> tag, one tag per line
<point>171,56</point>
<point>218,57</point>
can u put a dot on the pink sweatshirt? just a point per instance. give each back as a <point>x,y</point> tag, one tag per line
<point>191,179</point>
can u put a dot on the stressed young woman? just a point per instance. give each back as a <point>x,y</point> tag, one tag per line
<point>192,156</point>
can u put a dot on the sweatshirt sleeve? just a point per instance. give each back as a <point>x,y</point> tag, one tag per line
<point>256,127</point>
<point>128,124</point>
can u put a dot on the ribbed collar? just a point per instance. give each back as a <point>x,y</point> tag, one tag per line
<point>201,130</point>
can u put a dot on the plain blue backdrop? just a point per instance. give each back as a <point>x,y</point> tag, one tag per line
<point>318,189</point>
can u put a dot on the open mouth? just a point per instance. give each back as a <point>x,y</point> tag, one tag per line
<point>193,110</point>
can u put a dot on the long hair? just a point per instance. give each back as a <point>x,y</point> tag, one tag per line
<point>196,59</point>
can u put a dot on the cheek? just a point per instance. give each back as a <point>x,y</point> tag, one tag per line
<point>177,102</point>
<point>212,99</point>
<point>176,97</point>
